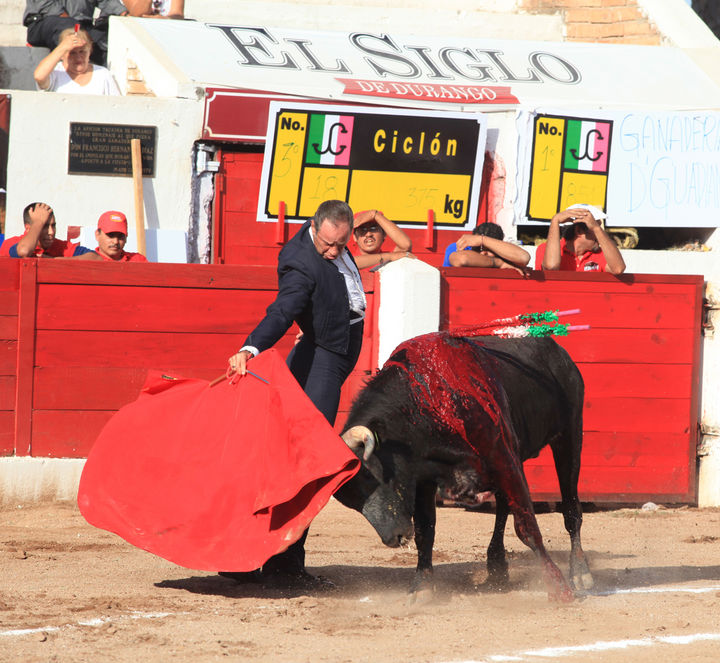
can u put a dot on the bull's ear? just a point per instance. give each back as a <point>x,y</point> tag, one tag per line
<point>360,436</point>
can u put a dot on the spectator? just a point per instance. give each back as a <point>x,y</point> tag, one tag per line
<point>111,235</point>
<point>46,19</point>
<point>584,247</point>
<point>156,8</point>
<point>39,240</point>
<point>485,247</point>
<point>67,68</point>
<point>371,228</point>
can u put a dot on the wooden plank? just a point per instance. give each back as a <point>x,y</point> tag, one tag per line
<point>667,310</point>
<point>8,327</point>
<point>588,281</point>
<point>73,272</point>
<point>637,380</point>
<point>8,302</point>
<point>626,346</point>
<point>66,433</point>
<point>243,170</point>
<point>7,433</point>
<point>644,451</point>
<point>646,477</point>
<point>26,355</point>
<point>86,388</point>
<point>244,254</point>
<point>9,279</point>
<point>143,308</point>
<point>622,485</point>
<point>87,307</point>
<point>8,357</point>
<point>93,388</point>
<point>7,393</point>
<point>637,415</point>
<point>142,349</point>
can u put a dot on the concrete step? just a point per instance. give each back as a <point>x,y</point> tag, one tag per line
<point>12,35</point>
<point>17,64</point>
<point>11,11</point>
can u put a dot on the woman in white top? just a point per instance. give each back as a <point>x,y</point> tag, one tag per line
<point>68,68</point>
<point>156,8</point>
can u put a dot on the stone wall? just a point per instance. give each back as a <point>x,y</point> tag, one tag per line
<point>601,21</point>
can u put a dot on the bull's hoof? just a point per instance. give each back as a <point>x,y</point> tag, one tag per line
<point>559,591</point>
<point>422,588</point>
<point>583,582</point>
<point>498,580</point>
<point>565,595</point>
<point>421,597</point>
<point>580,576</point>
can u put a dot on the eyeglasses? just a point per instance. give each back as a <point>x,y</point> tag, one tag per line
<point>368,228</point>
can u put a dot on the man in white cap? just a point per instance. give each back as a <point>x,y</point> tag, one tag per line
<point>111,235</point>
<point>584,246</point>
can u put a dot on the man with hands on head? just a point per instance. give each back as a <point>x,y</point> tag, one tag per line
<point>584,246</point>
<point>39,239</point>
<point>319,288</point>
<point>487,249</point>
<point>370,229</point>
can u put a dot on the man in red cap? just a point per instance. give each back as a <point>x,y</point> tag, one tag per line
<point>39,241</point>
<point>111,235</point>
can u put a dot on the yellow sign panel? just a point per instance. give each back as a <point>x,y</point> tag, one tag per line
<point>321,184</point>
<point>287,158</point>
<point>400,161</point>
<point>570,164</point>
<point>547,168</point>
<point>411,194</point>
<point>581,187</point>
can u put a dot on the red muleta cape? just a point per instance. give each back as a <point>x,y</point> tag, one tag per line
<point>216,478</point>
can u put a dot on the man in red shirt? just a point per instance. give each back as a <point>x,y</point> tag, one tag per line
<point>584,247</point>
<point>111,235</point>
<point>39,239</point>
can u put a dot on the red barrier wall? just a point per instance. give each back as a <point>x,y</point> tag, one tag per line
<point>640,362</point>
<point>79,337</point>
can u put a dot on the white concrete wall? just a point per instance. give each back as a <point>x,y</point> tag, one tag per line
<point>409,303</point>
<point>709,450</point>
<point>28,480</point>
<point>38,159</point>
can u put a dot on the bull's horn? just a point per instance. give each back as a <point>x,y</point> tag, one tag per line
<point>360,436</point>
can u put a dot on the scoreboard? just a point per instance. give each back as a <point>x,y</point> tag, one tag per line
<point>402,162</point>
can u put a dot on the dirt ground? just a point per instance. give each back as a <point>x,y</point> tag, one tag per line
<point>72,593</point>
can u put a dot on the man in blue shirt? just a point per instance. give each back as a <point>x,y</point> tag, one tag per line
<point>485,247</point>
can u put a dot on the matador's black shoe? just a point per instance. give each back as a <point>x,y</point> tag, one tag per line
<point>243,577</point>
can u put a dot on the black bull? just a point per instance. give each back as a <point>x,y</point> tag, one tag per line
<point>462,414</point>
